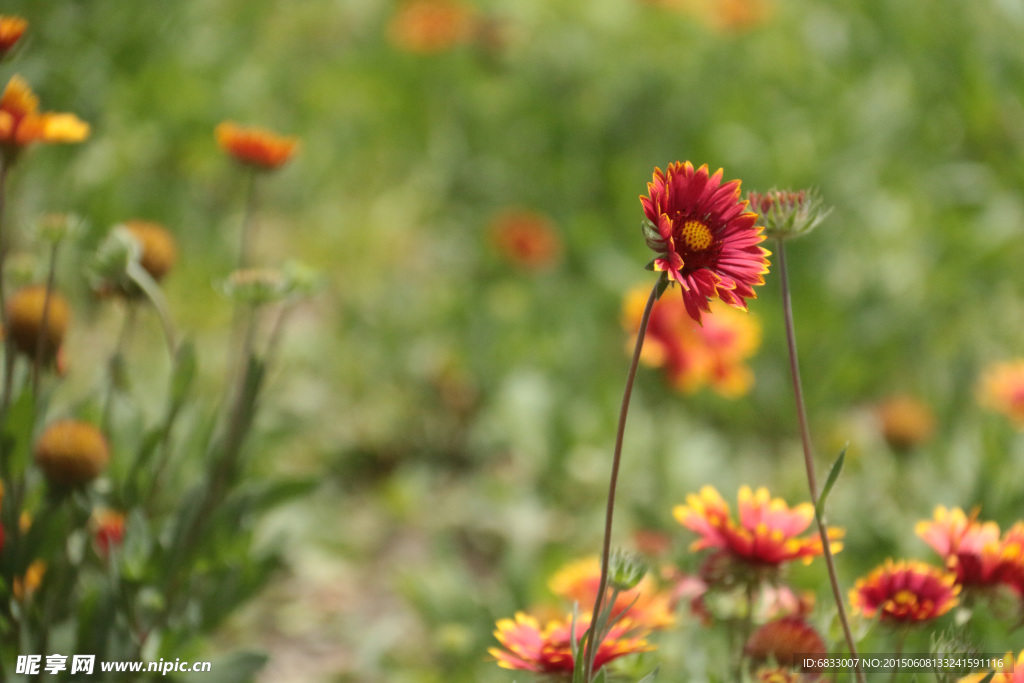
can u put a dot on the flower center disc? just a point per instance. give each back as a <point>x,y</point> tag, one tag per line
<point>695,235</point>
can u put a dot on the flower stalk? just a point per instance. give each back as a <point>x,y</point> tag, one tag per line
<point>594,639</point>
<point>805,439</point>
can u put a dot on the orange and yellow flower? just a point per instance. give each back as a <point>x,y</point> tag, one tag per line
<point>974,550</point>
<point>256,147</point>
<point>548,650</point>
<point>21,122</point>
<point>1010,672</point>
<point>705,238</point>
<point>768,531</point>
<point>431,26</point>
<point>692,355</point>
<point>527,239</point>
<point>905,592</point>
<point>1002,390</point>
<point>11,30</point>
<point>644,605</point>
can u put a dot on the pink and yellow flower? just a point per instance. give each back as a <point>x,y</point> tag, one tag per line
<point>1002,390</point>
<point>528,647</point>
<point>768,531</point>
<point>21,122</point>
<point>705,238</point>
<point>11,30</point>
<point>693,356</point>
<point>905,592</point>
<point>256,147</point>
<point>644,605</point>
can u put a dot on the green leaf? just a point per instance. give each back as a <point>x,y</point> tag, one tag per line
<point>833,475</point>
<point>602,676</point>
<point>649,678</point>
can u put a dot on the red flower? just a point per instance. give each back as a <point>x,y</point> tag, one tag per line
<point>905,592</point>
<point>781,640</point>
<point>768,532</point>
<point>705,238</point>
<point>526,239</point>
<point>527,647</point>
<point>256,147</point>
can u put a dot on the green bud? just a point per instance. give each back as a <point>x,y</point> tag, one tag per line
<point>256,286</point>
<point>626,570</point>
<point>788,214</point>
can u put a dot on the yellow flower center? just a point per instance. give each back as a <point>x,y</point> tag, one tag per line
<point>695,235</point>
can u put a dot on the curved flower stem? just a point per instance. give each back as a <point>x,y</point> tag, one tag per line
<point>152,291</point>
<point>805,438</point>
<point>590,652</point>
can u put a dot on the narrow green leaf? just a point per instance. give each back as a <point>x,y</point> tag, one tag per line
<point>649,678</point>
<point>602,676</point>
<point>833,475</point>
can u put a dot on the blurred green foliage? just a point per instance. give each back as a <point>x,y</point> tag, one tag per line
<point>461,410</point>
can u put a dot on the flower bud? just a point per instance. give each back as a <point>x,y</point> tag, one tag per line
<point>788,214</point>
<point>25,322</point>
<point>626,570</point>
<point>71,453</point>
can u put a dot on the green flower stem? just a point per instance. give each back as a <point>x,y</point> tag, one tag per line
<point>152,291</point>
<point>115,365</point>
<point>8,389</point>
<point>805,438</point>
<point>593,639</point>
<point>41,338</point>
<point>245,236</point>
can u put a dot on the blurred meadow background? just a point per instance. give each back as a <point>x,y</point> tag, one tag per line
<point>454,388</point>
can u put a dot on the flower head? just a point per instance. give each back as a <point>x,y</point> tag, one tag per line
<point>528,647</point>
<point>644,605</point>
<point>1002,390</point>
<point>768,531</point>
<point>788,214</point>
<point>905,592</point>
<point>32,320</point>
<point>974,550</point>
<point>158,251</point>
<point>781,640</point>
<point>905,422</point>
<point>705,238</point>
<point>693,356</point>
<point>526,239</point>
<point>11,30</point>
<point>431,26</point>
<point>256,147</point>
<point>21,122</point>
<point>108,530</point>
<point>71,453</point>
